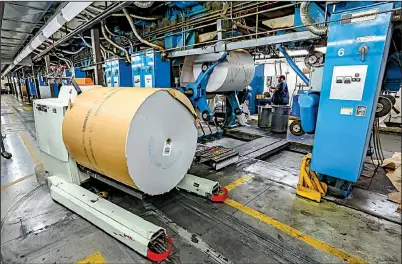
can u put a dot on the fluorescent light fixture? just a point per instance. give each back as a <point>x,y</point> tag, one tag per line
<point>36,42</point>
<point>72,9</point>
<point>55,24</point>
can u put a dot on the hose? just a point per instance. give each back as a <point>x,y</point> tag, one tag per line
<point>121,36</point>
<point>111,52</point>
<point>143,4</point>
<point>138,17</point>
<point>72,52</point>
<point>63,59</point>
<point>97,9</point>
<point>225,9</point>
<point>113,43</point>
<point>130,21</point>
<point>320,30</point>
<point>85,42</point>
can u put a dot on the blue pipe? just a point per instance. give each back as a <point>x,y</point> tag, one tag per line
<point>293,65</point>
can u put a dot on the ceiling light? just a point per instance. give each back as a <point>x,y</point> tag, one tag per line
<point>72,9</point>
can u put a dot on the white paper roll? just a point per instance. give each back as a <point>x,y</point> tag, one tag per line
<point>144,138</point>
<point>233,74</point>
<point>161,144</point>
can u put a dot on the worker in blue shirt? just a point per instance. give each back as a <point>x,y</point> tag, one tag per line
<point>281,92</point>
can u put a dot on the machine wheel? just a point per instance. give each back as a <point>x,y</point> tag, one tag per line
<point>390,97</point>
<point>384,106</point>
<point>205,116</point>
<point>6,155</point>
<point>295,128</point>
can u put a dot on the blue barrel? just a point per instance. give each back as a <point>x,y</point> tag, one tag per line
<point>295,104</point>
<point>308,111</point>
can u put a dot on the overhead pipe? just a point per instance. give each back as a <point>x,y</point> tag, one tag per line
<point>72,52</point>
<point>138,17</point>
<point>293,65</point>
<point>155,46</point>
<point>92,22</point>
<point>111,52</point>
<point>117,35</point>
<point>63,59</point>
<point>320,30</point>
<point>114,43</point>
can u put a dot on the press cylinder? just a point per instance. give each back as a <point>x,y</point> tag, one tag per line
<point>143,138</point>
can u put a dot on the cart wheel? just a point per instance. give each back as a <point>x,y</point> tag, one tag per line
<point>295,128</point>
<point>384,106</point>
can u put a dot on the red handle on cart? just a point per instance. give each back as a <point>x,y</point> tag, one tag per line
<point>156,257</point>
<point>221,196</point>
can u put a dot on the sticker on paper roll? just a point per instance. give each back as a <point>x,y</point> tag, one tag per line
<point>233,74</point>
<point>128,135</point>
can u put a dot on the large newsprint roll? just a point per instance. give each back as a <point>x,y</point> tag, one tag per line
<point>144,138</point>
<point>233,74</point>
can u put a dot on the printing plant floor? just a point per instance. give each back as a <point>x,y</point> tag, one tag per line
<point>262,222</point>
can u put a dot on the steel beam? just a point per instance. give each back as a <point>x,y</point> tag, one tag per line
<point>271,40</point>
<point>98,70</point>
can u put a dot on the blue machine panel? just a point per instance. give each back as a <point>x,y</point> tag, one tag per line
<point>149,70</point>
<point>136,68</point>
<point>350,91</point>
<point>108,73</point>
<point>31,86</point>
<point>121,74</point>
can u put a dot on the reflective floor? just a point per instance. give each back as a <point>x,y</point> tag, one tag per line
<point>262,222</point>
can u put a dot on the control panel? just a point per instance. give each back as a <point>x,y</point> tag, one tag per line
<point>348,82</point>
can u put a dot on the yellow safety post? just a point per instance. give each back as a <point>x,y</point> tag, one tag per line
<point>309,186</point>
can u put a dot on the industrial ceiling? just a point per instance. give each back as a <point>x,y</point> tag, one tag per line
<point>19,21</point>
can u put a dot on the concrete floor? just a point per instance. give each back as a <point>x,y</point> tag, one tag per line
<point>265,222</point>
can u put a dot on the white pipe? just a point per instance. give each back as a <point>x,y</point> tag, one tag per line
<point>66,14</point>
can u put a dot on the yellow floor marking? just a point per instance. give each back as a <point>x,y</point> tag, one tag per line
<point>34,154</point>
<point>27,108</point>
<point>16,181</point>
<point>95,258</point>
<point>289,230</point>
<point>238,182</point>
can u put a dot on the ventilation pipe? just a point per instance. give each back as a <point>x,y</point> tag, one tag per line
<point>155,46</point>
<point>320,30</point>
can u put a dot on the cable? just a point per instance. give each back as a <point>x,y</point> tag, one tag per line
<point>113,43</point>
<point>155,46</point>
